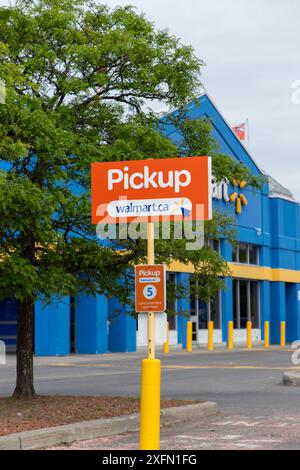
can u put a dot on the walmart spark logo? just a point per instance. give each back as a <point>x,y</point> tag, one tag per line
<point>237,197</point>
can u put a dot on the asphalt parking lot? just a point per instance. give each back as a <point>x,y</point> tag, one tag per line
<point>241,381</point>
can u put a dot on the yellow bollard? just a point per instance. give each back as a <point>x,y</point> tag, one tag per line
<point>249,334</point>
<point>282,334</point>
<point>230,335</point>
<point>189,336</point>
<point>267,334</point>
<point>210,335</point>
<point>150,405</point>
<point>166,344</point>
<point>150,379</point>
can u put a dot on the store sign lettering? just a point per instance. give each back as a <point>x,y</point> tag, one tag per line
<point>220,190</point>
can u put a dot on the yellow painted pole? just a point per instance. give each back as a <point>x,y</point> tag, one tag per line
<point>150,382</point>
<point>151,315</point>
<point>189,336</point>
<point>249,334</point>
<point>267,334</point>
<point>282,333</point>
<point>166,344</point>
<point>230,335</point>
<point>210,335</point>
<point>150,405</point>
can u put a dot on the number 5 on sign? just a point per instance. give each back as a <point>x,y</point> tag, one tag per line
<point>150,288</point>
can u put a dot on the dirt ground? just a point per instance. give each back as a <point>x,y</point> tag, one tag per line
<point>48,411</point>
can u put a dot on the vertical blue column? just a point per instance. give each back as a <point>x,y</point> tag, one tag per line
<point>183,306</point>
<point>227,307</point>
<point>226,294</point>
<point>265,300</point>
<point>122,327</point>
<point>278,310</point>
<point>226,250</point>
<point>52,327</point>
<point>91,327</point>
<point>292,313</point>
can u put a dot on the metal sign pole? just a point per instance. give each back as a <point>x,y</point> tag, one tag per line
<point>150,377</point>
<point>151,315</point>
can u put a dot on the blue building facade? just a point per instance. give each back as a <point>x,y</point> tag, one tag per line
<point>264,286</point>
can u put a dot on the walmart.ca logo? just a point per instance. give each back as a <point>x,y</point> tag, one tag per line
<point>238,197</point>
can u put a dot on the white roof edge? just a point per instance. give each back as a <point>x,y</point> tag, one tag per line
<point>281,196</point>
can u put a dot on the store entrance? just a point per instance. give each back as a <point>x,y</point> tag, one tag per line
<point>246,304</point>
<point>203,312</point>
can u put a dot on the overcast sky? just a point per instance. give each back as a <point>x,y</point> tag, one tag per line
<point>252,53</point>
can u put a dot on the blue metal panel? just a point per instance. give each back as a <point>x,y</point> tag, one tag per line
<point>8,321</point>
<point>278,310</point>
<point>226,250</point>
<point>183,306</point>
<point>52,327</point>
<point>292,313</point>
<point>91,324</point>
<point>227,307</point>
<point>122,327</point>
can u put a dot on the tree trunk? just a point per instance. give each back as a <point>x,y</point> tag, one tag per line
<point>25,341</point>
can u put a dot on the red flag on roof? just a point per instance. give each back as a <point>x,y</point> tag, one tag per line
<point>240,131</point>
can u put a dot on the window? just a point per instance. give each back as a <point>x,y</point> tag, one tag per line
<point>253,254</point>
<point>204,312</point>
<point>215,310</point>
<point>213,243</point>
<point>171,304</point>
<point>235,254</point>
<point>245,254</point>
<point>254,304</point>
<point>245,303</point>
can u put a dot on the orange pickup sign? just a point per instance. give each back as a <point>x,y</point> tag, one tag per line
<point>143,190</point>
<point>150,288</point>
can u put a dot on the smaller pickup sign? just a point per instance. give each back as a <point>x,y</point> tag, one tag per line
<point>150,288</point>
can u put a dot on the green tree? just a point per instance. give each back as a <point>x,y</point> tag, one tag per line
<point>79,78</point>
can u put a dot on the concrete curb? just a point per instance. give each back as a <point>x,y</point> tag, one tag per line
<point>291,379</point>
<point>84,430</point>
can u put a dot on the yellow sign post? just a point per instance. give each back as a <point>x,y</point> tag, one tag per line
<point>150,383</point>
